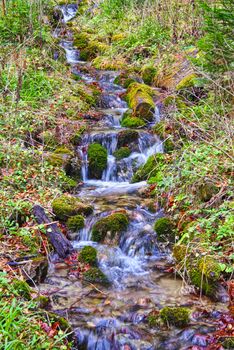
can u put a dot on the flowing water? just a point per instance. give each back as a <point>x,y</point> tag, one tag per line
<point>114,317</point>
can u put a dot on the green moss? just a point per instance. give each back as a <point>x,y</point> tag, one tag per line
<point>125,80</point>
<point>60,156</point>
<point>127,137</point>
<point>95,275</point>
<point>140,100</point>
<point>148,74</point>
<point>88,255</point>
<point>97,157</point>
<point>67,206</point>
<point>206,191</point>
<point>132,122</point>
<point>76,223</point>
<point>122,152</point>
<point>42,301</point>
<point>150,169</point>
<point>153,318</point>
<point>160,129</point>
<point>81,40</point>
<point>168,145</point>
<point>68,184</point>
<point>204,274</point>
<point>21,288</point>
<point>164,229</point>
<point>179,252</point>
<point>111,225</point>
<point>175,316</point>
<point>228,343</point>
<point>186,82</point>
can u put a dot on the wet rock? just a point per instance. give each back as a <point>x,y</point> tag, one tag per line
<point>128,138</point>
<point>148,73</point>
<point>97,158</point>
<point>110,227</point>
<point>60,157</point>
<point>67,206</point>
<point>122,152</point>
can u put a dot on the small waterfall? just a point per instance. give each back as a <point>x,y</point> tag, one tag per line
<point>68,11</point>
<point>72,55</point>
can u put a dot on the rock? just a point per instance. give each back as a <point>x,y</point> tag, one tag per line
<point>60,157</point>
<point>140,100</point>
<point>206,191</point>
<point>164,229</point>
<point>186,82</point>
<point>132,122</point>
<point>67,206</point>
<point>95,275</point>
<point>122,152</point>
<point>88,255</point>
<point>76,223</point>
<point>73,167</point>
<point>148,74</point>
<point>128,138</point>
<point>175,316</point>
<point>109,227</point>
<point>124,79</point>
<point>97,157</point>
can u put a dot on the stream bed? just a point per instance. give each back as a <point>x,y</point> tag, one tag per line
<point>115,317</point>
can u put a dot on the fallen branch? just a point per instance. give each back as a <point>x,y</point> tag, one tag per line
<point>61,244</point>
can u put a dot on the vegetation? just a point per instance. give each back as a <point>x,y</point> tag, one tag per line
<point>175,316</point>
<point>97,156</point>
<point>66,206</point>
<point>76,223</point>
<point>95,275</point>
<point>88,255</point>
<point>109,227</point>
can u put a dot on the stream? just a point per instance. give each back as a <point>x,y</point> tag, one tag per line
<point>114,317</point>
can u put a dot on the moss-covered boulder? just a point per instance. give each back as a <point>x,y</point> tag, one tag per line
<point>88,255</point>
<point>110,227</point>
<point>95,275</point>
<point>204,273</point>
<point>127,138</point>
<point>73,168</point>
<point>175,316</point>
<point>150,169</point>
<point>228,343</point>
<point>89,48</point>
<point>132,122</point>
<point>206,190</point>
<point>148,74</point>
<point>67,206</point>
<point>60,157</point>
<point>164,229</point>
<point>122,152</point>
<point>97,158</point>
<point>140,100</point>
<point>76,223</point>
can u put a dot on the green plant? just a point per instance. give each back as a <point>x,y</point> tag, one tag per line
<point>88,255</point>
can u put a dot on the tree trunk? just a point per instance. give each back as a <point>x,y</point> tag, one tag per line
<point>60,243</point>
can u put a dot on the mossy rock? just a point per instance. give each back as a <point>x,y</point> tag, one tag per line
<point>88,255</point>
<point>140,100</point>
<point>68,184</point>
<point>81,40</point>
<point>73,168</point>
<point>21,288</point>
<point>76,223</point>
<point>153,318</point>
<point>109,227</point>
<point>126,137</point>
<point>175,316</point>
<point>60,157</point>
<point>228,343</point>
<point>95,275</point>
<point>42,301</point>
<point>122,152</point>
<point>150,169</point>
<point>67,206</point>
<point>132,122</point>
<point>124,79</point>
<point>148,74</point>
<point>204,273</point>
<point>186,82</point>
<point>179,252</point>
<point>206,191</point>
<point>164,229</point>
<point>97,158</point>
